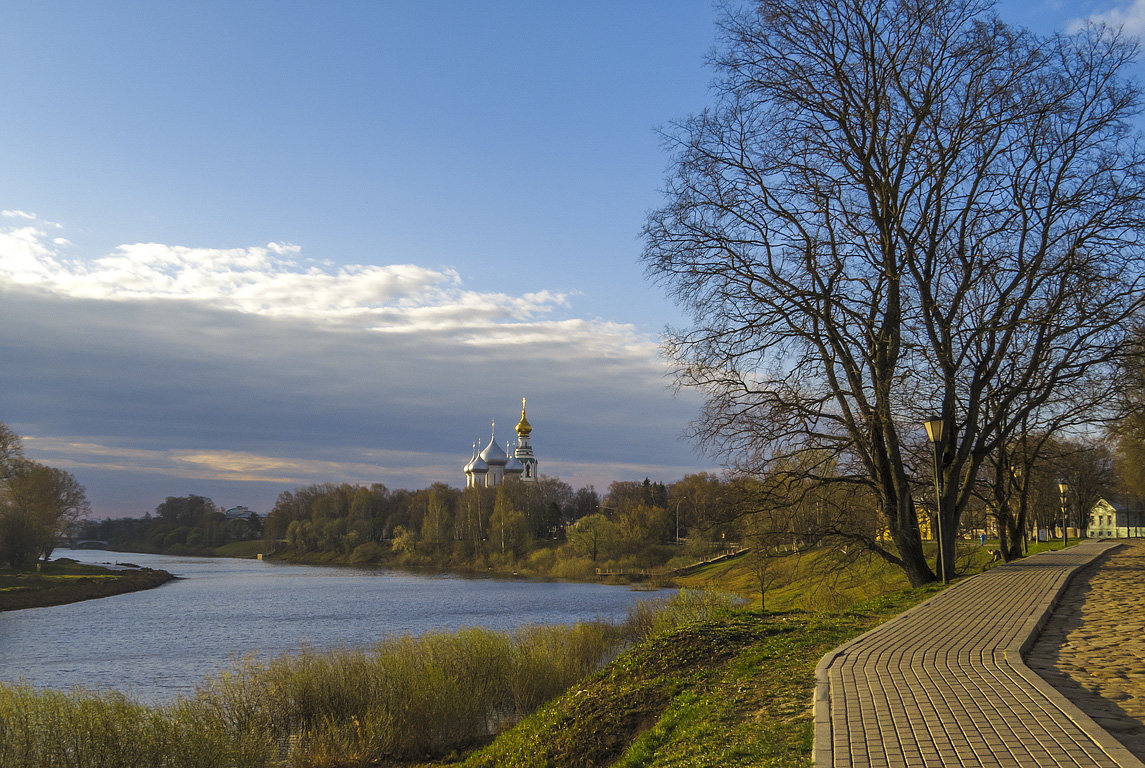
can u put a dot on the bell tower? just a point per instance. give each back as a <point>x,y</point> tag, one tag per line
<point>524,452</point>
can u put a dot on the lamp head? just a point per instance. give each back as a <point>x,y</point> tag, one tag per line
<point>934,430</point>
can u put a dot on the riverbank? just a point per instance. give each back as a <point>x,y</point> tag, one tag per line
<point>401,701</point>
<point>695,682</point>
<point>66,581</point>
<point>543,564</point>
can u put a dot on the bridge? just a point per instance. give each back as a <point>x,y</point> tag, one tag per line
<point>87,544</point>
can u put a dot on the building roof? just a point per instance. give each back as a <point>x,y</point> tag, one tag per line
<point>493,454</point>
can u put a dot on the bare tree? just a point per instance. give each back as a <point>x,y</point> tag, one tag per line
<point>894,211</point>
<point>1086,466</point>
<point>1129,429</point>
<point>11,451</point>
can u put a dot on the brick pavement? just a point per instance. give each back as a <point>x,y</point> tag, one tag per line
<point>944,684</point>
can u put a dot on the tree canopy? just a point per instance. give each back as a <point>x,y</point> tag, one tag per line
<point>896,211</point>
<point>38,503</point>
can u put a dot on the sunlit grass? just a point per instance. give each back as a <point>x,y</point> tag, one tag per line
<point>730,689</point>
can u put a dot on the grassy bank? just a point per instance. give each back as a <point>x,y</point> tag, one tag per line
<point>66,581</point>
<point>706,686</point>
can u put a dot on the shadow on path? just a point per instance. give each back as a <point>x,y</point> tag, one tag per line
<point>1090,651</point>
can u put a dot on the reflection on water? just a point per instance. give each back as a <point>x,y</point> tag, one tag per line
<point>161,642</point>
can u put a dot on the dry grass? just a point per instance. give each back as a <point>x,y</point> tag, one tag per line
<point>405,699</point>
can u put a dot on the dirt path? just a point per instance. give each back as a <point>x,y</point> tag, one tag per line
<point>1093,647</point>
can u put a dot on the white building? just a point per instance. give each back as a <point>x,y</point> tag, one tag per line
<point>492,465</point>
<point>1116,521</point>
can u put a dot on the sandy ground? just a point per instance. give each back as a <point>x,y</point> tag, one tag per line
<point>1093,647</point>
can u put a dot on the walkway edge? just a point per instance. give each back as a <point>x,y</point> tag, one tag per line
<point>822,755</point>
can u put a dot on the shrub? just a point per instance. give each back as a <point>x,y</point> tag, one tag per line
<point>688,606</point>
<point>370,552</point>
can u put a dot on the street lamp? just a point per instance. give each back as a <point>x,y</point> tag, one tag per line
<point>1016,480</point>
<point>1063,486</point>
<point>934,428</point>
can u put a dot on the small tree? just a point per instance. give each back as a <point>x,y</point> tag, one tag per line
<point>43,502</point>
<point>593,535</point>
<point>508,528</point>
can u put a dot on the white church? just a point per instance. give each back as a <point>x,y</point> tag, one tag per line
<point>489,468</point>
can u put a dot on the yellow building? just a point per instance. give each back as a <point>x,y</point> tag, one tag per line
<point>924,526</point>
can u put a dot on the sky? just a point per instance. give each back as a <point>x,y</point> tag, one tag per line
<point>249,246</point>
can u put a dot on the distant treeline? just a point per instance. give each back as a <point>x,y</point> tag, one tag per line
<point>542,528</point>
<point>181,525</point>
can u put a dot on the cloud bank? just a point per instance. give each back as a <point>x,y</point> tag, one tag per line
<point>253,370</point>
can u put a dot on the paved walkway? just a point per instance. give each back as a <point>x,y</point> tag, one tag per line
<point>944,684</point>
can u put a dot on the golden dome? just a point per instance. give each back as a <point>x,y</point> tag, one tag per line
<point>523,426</point>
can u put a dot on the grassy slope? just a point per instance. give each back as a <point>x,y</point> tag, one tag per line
<point>734,691</point>
<point>819,580</point>
<point>731,691</point>
<point>815,580</point>
<point>249,548</point>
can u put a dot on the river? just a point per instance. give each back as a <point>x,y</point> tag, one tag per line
<point>160,643</point>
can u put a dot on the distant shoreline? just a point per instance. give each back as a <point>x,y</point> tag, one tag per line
<point>249,550</point>
<point>65,581</point>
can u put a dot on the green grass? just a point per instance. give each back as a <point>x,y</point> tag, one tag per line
<point>827,580</point>
<point>249,548</point>
<point>814,580</point>
<point>725,691</point>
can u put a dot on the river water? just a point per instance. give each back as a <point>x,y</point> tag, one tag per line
<point>160,643</point>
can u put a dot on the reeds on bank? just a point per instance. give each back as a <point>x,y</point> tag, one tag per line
<point>405,699</point>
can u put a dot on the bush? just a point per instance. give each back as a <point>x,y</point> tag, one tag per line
<point>370,552</point>
<point>579,568</point>
<point>688,606</point>
<point>85,729</point>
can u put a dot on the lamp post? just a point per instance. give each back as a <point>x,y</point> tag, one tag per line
<point>1016,480</point>
<point>934,429</point>
<point>1063,486</point>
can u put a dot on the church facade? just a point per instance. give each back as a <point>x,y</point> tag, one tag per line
<point>492,465</point>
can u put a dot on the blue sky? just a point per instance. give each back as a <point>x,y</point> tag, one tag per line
<point>248,246</point>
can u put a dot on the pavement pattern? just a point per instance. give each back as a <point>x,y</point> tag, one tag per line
<point>944,684</point>
<point>1092,649</point>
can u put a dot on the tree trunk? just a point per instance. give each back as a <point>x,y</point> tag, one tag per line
<point>909,543</point>
<point>1015,533</point>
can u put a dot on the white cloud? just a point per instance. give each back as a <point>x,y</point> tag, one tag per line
<point>1130,18</point>
<point>272,280</point>
<point>276,281</point>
